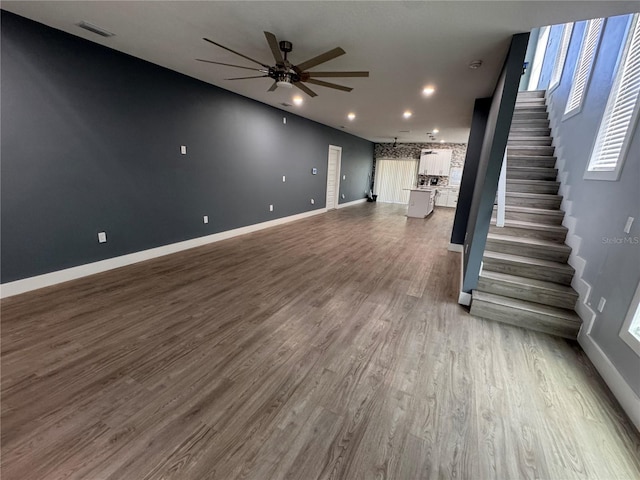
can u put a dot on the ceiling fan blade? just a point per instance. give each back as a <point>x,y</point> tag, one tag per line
<point>273,87</point>
<point>305,89</point>
<point>273,45</point>
<point>237,53</point>
<point>244,78</point>
<point>330,85</point>
<point>325,57</point>
<point>229,65</point>
<point>338,74</point>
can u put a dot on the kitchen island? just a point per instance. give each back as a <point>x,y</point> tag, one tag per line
<point>421,202</point>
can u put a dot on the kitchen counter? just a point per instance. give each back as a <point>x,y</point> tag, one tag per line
<point>421,202</point>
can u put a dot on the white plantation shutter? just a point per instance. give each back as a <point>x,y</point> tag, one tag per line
<point>393,179</point>
<point>585,61</point>
<point>621,106</point>
<point>561,56</point>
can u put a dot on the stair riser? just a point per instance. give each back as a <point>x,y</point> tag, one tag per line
<point>539,162</point>
<point>525,150</point>
<point>527,107</point>
<point>526,115</point>
<point>538,141</point>
<point>528,293</point>
<point>529,132</point>
<point>523,319</point>
<point>517,174</point>
<point>530,102</point>
<point>534,217</point>
<point>526,270</point>
<point>533,251</point>
<point>551,189</point>
<point>552,203</point>
<point>531,94</point>
<point>529,123</point>
<point>529,233</point>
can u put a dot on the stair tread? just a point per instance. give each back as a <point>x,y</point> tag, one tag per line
<point>532,195</point>
<point>529,241</point>
<point>526,181</point>
<point>533,169</point>
<point>537,211</point>
<point>537,308</point>
<point>535,139</point>
<point>534,225</point>
<point>529,261</point>
<point>530,282</point>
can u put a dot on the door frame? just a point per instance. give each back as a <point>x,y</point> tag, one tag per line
<point>337,149</point>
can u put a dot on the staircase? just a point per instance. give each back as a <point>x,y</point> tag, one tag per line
<point>525,279</point>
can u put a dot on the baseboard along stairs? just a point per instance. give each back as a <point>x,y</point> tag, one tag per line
<point>525,279</point>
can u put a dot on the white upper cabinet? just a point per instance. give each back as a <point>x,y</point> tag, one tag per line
<point>435,162</point>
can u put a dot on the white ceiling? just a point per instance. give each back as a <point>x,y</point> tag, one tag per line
<point>405,46</point>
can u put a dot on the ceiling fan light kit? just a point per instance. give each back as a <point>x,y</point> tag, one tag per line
<point>287,75</point>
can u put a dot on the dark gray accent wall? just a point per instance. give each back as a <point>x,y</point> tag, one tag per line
<point>597,210</point>
<point>470,172</point>
<point>493,147</point>
<point>91,142</point>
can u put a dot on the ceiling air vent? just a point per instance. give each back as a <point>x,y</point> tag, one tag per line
<point>285,104</point>
<point>95,29</point>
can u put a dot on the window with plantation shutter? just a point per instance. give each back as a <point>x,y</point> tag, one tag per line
<point>561,56</point>
<point>620,114</point>
<point>583,68</point>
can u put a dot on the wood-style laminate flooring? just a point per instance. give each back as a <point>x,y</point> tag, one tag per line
<point>328,348</point>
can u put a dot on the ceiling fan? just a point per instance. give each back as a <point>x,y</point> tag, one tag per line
<point>286,74</point>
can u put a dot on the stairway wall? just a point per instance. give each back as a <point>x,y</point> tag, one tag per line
<point>607,261</point>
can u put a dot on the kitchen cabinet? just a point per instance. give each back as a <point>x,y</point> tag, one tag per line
<point>435,162</point>
<point>447,198</point>
<point>421,202</point>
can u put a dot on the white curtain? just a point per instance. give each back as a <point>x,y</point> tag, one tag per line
<point>394,178</point>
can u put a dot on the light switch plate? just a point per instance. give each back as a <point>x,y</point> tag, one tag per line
<point>601,304</point>
<point>183,149</point>
<point>284,120</point>
<point>627,226</point>
<point>271,208</point>
<point>205,219</point>
<point>284,178</point>
<point>102,237</point>
<point>344,177</point>
<point>313,201</point>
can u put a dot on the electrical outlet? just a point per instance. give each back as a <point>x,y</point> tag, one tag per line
<point>313,202</point>
<point>271,208</point>
<point>205,219</point>
<point>284,120</point>
<point>344,177</point>
<point>102,237</point>
<point>601,304</point>
<point>183,149</point>
<point>342,196</point>
<point>284,179</point>
<point>627,226</point>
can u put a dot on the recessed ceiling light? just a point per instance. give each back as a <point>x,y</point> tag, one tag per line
<point>407,114</point>
<point>297,100</point>
<point>351,116</point>
<point>435,130</point>
<point>474,65</point>
<point>428,91</point>
<point>441,141</point>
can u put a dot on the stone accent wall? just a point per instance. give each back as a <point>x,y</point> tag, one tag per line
<point>412,150</point>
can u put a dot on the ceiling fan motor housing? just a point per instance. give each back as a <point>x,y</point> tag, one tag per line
<point>285,46</point>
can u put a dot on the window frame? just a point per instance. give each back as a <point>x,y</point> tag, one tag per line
<point>614,175</point>
<point>563,50</point>
<point>627,337</point>
<point>570,113</point>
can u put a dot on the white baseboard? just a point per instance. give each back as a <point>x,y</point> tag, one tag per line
<point>350,204</point>
<point>48,279</point>
<point>454,247</point>
<point>627,398</point>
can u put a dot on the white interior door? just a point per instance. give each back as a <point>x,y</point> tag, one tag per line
<point>333,176</point>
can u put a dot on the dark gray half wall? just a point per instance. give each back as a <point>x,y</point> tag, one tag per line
<point>493,147</point>
<point>470,172</point>
<point>91,142</point>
